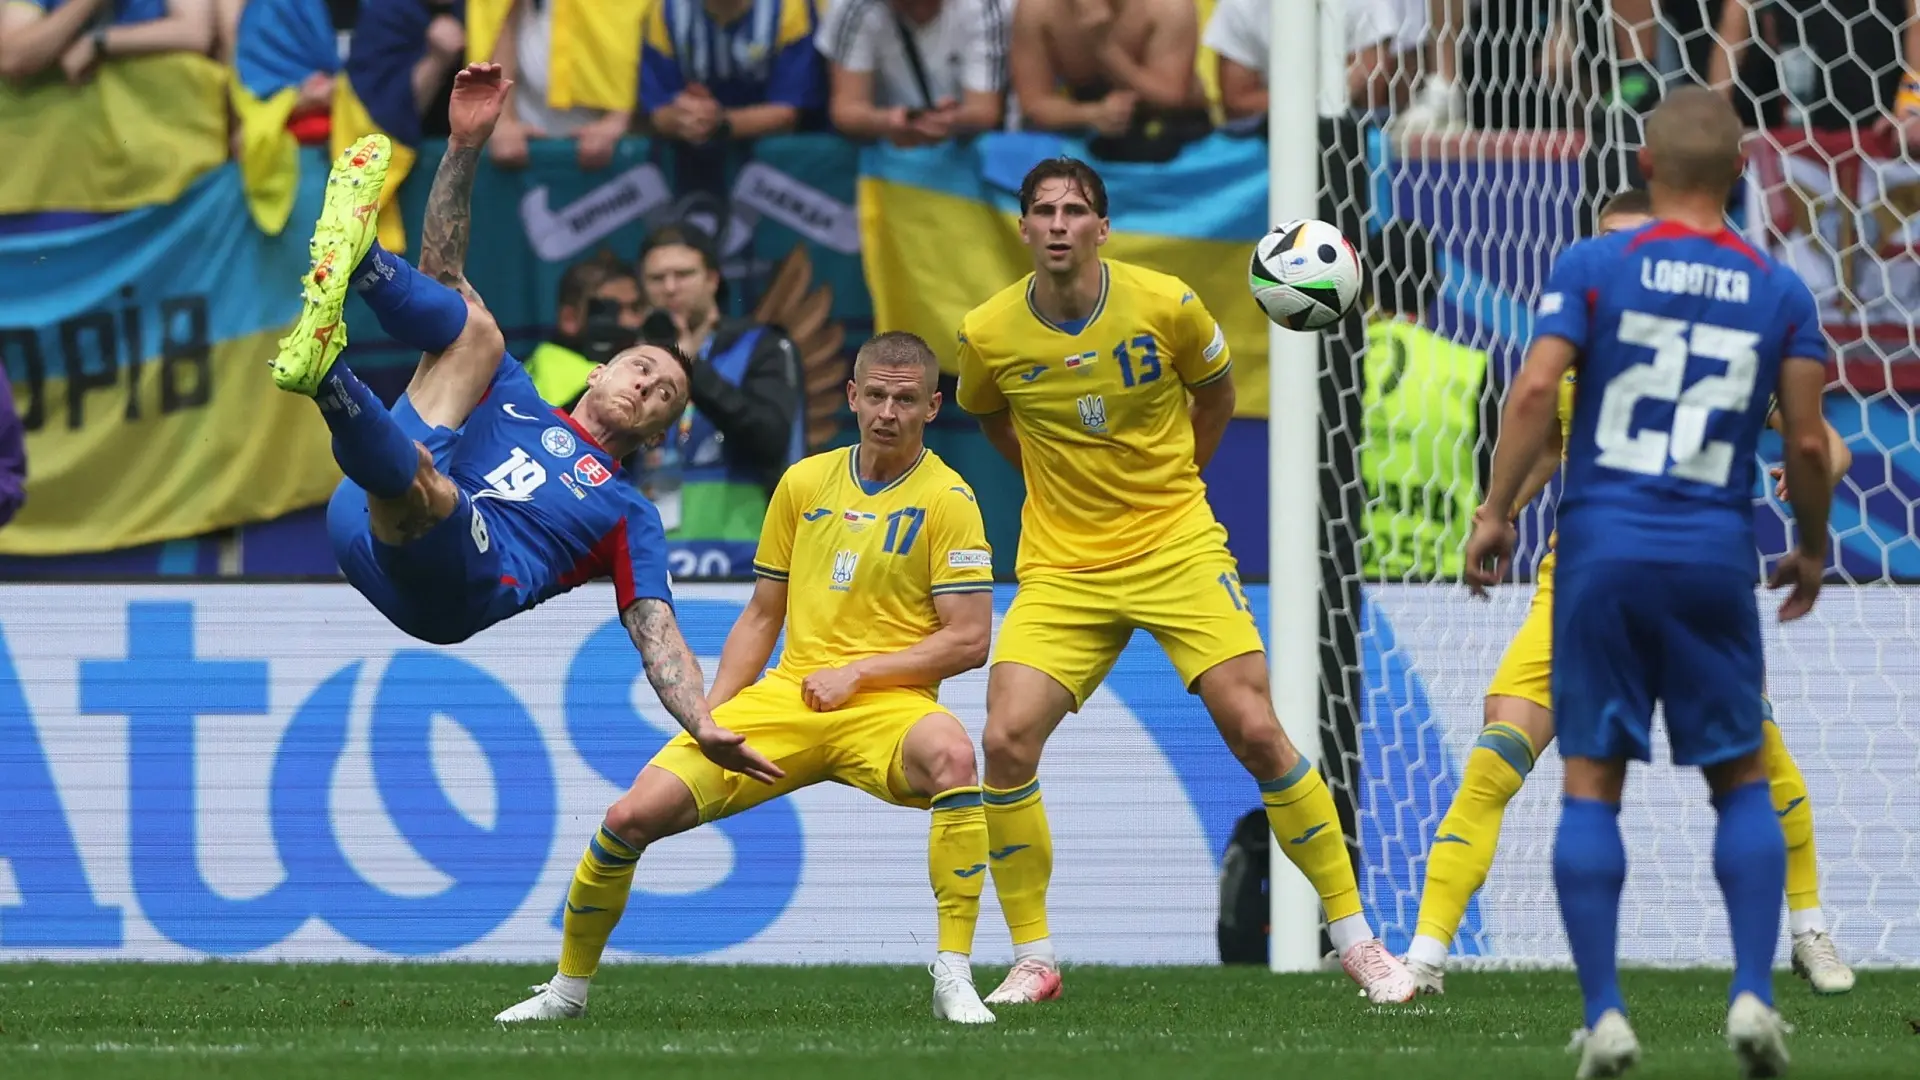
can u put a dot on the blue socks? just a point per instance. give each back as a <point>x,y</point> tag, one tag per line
<point>370,447</point>
<point>1589,870</point>
<point>414,309</point>
<point>1750,862</point>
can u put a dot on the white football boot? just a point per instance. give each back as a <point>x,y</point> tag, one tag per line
<point>545,1004</point>
<point>1758,1037</point>
<point>954,997</point>
<point>1427,978</point>
<point>1816,960</point>
<point>1609,1048</point>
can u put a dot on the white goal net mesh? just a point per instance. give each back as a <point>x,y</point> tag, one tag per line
<point>1525,151</point>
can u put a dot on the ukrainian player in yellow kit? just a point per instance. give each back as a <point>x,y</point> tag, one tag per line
<point>1519,725</point>
<point>1109,386</point>
<point>874,560</point>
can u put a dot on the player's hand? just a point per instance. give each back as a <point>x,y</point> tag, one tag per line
<point>825,691</point>
<point>729,750</point>
<point>1779,474</point>
<point>1804,573</point>
<point>479,94</point>
<point>1489,550</point>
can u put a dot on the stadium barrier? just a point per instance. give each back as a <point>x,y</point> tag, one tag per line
<point>271,772</point>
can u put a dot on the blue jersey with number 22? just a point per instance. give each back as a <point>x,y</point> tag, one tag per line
<point>1680,337</point>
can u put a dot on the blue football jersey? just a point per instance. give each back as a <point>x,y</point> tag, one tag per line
<point>561,509</point>
<point>1680,337</point>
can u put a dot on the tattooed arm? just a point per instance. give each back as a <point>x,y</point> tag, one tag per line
<point>449,221</point>
<point>675,676</point>
<point>479,95</point>
<point>671,666</point>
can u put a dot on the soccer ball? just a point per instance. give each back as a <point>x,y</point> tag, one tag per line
<point>1304,274</point>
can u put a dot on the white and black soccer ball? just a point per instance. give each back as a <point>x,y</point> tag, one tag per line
<point>1304,275</point>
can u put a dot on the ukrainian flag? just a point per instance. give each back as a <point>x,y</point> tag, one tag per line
<point>139,133</point>
<point>939,232</point>
<point>278,45</point>
<point>595,61</point>
<point>375,94</point>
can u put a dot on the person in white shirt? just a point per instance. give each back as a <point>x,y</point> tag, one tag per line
<point>1385,39</point>
<point>913,72</point>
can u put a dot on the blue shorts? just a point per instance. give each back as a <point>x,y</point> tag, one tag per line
<point>441,588</point>
<point>1627,634</point>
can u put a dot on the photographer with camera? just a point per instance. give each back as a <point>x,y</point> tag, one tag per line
<point>600,314</point>
<point>718,467</point>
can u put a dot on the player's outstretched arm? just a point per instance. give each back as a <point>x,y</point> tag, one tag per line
<point>479,94</point>
<point>750,643</point>
<point>966,628</point>
<point>675,676</point>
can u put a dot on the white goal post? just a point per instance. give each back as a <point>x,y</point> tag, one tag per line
<point>1498,196</point>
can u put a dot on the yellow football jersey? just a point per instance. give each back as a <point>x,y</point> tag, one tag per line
<point>862,566</point>
<point>1101,412</point>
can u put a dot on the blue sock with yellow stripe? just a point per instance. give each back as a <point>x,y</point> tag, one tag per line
<point>595,901</point>
<point>1020,855</point>
<point>1301,813</point>
<point>1463,845</point>
<point>957,864</point>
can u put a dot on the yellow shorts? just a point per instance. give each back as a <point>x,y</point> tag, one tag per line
<point>1526,669</point>
<point>858,744</point>
<point>1072,626</point>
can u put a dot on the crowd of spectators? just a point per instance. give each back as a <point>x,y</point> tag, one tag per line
<point>1140,76</point>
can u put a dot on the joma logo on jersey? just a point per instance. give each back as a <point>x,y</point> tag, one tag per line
<point>857,519</point>
<point>816,513</point>
<point>1093,413</point>
<point>844,563</point>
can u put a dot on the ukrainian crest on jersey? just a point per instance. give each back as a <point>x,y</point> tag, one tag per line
<point>844,563</point>
<point>1093,413</point>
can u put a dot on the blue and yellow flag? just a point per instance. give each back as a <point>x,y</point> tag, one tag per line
<point>137,348</point>
<point>595,62</point>
<point>137,134</point>
<point>375,93</point>
<point>278,45</point>
<point>961,200</point>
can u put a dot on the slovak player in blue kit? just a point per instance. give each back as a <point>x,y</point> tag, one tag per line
<point>473,499</point>
<point>1680,334</point>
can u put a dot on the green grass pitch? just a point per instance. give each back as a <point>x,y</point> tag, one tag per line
<point>848,1023</point>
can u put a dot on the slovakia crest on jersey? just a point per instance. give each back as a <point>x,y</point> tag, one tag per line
<point>590,472</point>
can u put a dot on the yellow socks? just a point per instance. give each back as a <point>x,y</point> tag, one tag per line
<point>1463,845</point>
<point>601,884</point>
<point>957,864</point>
<point>1301,813</point>
<point>1790,802</point>
<point>1020,854</point>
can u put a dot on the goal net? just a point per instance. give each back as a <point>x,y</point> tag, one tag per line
<point>1464,221</point>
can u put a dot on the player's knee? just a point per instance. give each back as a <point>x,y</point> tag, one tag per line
<point>948,762</point>
<point>1260,746</point>
<point>482,332</point>
<point>629,819</point>
<point>1012,750</point>
<point>1529,716</point>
